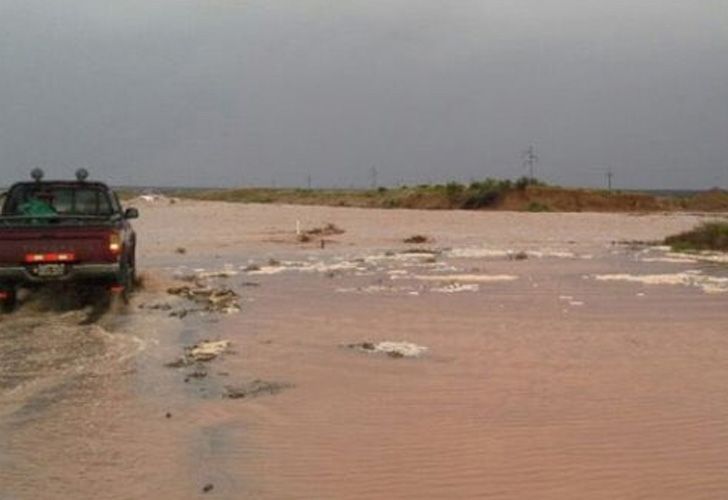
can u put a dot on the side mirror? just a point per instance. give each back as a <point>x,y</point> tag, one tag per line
<point>131,213</point>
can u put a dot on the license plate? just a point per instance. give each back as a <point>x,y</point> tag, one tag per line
<point>50,270</point>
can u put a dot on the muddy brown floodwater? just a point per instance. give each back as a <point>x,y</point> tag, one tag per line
<point>511,356</point>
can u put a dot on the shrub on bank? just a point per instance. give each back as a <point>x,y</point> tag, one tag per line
<point>535,206</point>
<point>707,236</point>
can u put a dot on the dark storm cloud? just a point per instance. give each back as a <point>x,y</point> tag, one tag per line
<point>221,92</point>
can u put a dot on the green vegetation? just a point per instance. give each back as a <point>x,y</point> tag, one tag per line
<point>707,236</point>
<point>523,194</point>
<point>535,206</point>
<point>452,195</point>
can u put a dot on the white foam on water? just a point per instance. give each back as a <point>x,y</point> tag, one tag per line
<point>479,253</point>
<point>445,268</point>
<point>405,349</point>
<point>308,267</point>
<point>500,253</point>
<point>268,270</point>
<point>456,288</point>
<point>669,260</point>
<point>225,273</point>
<point>571,301</point>
<point>671,257</point>
<point>471,278</point>
<point>399,257</point>
<point>372,289</point>
<point>558,254</point>
<point>322,267</point>
<point>692,278</point>
<point>715,257</point>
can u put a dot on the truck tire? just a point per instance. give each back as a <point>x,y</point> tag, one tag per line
<point>7,305</point>
<point>126,279</point>
<point>132,265</point>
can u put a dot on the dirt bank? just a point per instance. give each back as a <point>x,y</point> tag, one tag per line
<point>489,195</point>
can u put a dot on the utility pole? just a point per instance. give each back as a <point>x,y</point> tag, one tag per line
<point>530,158</point>
<point>610,176</point>
<point>308,181</point>
<point>373,173</point>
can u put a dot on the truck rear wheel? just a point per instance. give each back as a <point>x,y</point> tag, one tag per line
<point>8,299</point>
<point>126,280</point>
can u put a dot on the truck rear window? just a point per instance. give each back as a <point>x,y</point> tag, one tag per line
<point>62,200</point>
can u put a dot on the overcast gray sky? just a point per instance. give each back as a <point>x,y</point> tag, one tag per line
<point>226,92</point>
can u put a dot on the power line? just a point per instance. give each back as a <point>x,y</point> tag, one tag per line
<point>373,173</point>
<point>610,176</point>
<point>530,158</point>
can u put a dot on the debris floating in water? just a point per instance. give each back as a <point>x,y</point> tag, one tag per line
<point>207,350</point>
<point>201,352</point>
<point>222,300</point>
<point>255,389</point>
<point>417,239</point>
<point>391,349</point>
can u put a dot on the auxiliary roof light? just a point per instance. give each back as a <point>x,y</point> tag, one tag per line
<point>37,174</point>
<point>81,174</point>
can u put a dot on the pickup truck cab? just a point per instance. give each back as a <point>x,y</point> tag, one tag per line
<point>65,232</point>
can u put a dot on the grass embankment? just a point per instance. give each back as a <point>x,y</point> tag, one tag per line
<point>521,195</point>
<point>493,195</point>
<point>453,195</point>
<point>707,236</point>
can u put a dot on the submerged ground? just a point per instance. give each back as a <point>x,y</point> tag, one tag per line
<point>508,356</point>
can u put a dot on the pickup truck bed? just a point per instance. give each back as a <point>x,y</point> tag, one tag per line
<point>84,252</point>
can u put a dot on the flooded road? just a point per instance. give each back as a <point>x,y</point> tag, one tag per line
<point>75,415</point>
<point>533,377</point>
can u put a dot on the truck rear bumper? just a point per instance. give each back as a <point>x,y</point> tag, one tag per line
<point>81,272</point>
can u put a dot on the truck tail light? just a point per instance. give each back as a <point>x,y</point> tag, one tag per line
<point>35,258</point>
<point>115,243</point>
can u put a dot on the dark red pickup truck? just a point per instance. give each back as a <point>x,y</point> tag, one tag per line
<point>64,232</point>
